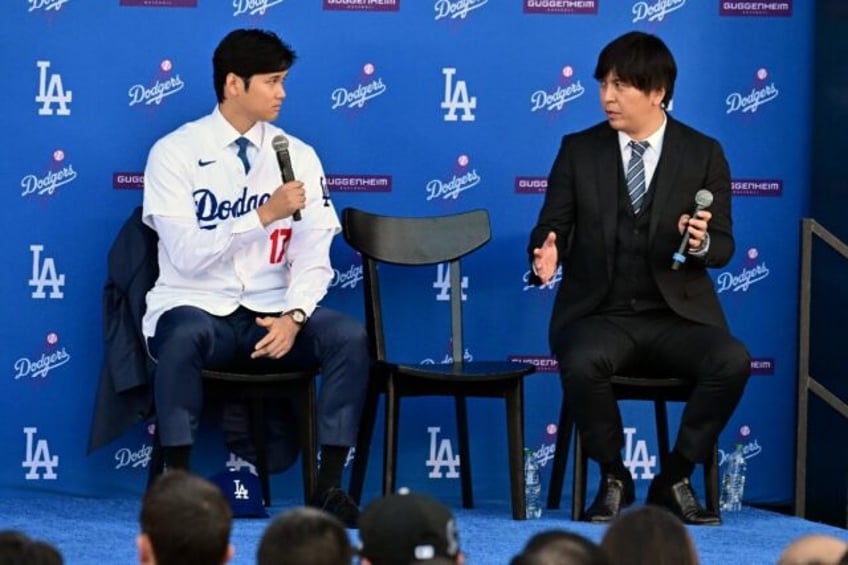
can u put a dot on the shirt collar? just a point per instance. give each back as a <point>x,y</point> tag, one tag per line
<point>655,139</point>
<point>225,134</point>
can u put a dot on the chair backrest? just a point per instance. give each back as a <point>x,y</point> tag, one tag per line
<point>413,241</point>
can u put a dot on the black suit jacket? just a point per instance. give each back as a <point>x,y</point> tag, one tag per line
<point>581,208</point>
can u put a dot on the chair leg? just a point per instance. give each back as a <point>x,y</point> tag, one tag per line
<point>661,415</point>
<point>711,482</point>
<point>464,452</point>
<point>308,440</point>
<point>257,432</point>
<point>363,440</point>
<point>391,440</point>
<point>157,458</point>
<point>578,497</point>
<point>515,443</point>
<point>563,442</point>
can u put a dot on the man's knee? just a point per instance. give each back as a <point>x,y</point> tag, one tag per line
<point>182,331</point>
<point>731,362</point>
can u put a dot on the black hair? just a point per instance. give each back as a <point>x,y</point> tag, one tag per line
<point>246,52</point>
<point>641,60</point>
<point>187,519</point>
<point>305,535</point>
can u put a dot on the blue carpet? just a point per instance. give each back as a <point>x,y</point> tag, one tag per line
<point>103,531</point>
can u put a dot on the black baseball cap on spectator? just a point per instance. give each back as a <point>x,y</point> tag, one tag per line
<point>407,528</point>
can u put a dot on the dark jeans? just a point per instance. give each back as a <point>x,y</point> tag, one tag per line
<point>189,339</point>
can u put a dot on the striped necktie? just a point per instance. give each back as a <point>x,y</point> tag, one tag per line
<point>636,174</point>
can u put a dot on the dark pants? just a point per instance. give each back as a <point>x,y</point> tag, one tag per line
<point>657,343</point>
<point>189,339</point>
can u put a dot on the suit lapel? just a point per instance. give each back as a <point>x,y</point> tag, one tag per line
<point>608,163</point>
<point>665,176</point>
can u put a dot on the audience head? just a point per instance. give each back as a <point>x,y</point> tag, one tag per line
<point>649,535</point>
<point>408,528</point>
<point>16,548</point>
<point>559,547</point>
<point>815,550</point>
<point>184,519</point>
<point>305,536</point>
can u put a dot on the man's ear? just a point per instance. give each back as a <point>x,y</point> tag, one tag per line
<point>231,552</point>
<point>145,550</point>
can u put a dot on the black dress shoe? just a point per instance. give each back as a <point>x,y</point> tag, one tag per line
<point>338,503</point>
<point>613,495</point>
<point>680,499</point>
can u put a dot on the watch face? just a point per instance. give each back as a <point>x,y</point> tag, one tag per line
<point>298,316</point>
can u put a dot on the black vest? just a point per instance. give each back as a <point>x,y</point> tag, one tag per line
<point>633,287</point>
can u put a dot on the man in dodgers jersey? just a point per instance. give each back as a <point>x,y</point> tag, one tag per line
<point>240,280</point>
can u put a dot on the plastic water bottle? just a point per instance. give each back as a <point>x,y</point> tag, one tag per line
<point>532,486</point>
<point>733,482</point>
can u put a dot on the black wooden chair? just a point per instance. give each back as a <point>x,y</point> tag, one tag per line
<point>255,389</point>
<point>416,242</point>
<point>658,390</point>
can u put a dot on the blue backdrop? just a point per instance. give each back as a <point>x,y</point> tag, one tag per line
<point>416,107</point>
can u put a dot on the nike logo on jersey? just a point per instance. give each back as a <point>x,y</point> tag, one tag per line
<point>202,163</point>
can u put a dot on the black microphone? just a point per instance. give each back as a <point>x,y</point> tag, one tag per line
<point>280,143</point>
<point>703,200</point>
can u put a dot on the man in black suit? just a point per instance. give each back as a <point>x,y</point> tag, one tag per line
<point>614,214</point>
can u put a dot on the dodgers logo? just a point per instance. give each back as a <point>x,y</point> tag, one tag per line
<point>753,271</point>
<point>236,463</point>
<point>210,209</point>
<point>750,446</point>
<point>447,359</point>
<point>253,7</point>
<point>457,98</point>
<point>550,285</point>
<point>46,5</point>
<point>48,361</point>
<point>38,457</point>
<point>367,88</point>
<point>58,174</point>
<point>348,279</point>
<point>164,84</point>
<point>126,457</point>
<point>441,455</point>
<point>457,8</point>
<point>52,92</point>
<point>656,11</point>
<point>44,275</point>
<point>443,283</point>
<point>636,456</point>
<point>761,93</point>
<point>462,180</point>
<point>555,99</point>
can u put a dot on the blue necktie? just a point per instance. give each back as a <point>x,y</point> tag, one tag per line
<point>242,143</point>
<point>636,174</point>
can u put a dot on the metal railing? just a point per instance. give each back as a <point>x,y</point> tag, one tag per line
<point>806,383</point>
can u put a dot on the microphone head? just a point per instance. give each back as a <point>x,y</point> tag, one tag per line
<point>281,143</point>
<point>703,199</point>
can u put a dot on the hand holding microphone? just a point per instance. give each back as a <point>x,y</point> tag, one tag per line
<point>703,200</point>
<point>280,143</point>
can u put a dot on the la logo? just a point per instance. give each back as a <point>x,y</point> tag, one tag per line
<point>240,491</point>
<point>637,456</point>
<point>39,458</point>
<point>456,98</point>
<point>52,92</point>
<point>236,463</point>
<point>441,457</point>
<point>44,274</point>
<point>443,283</point>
